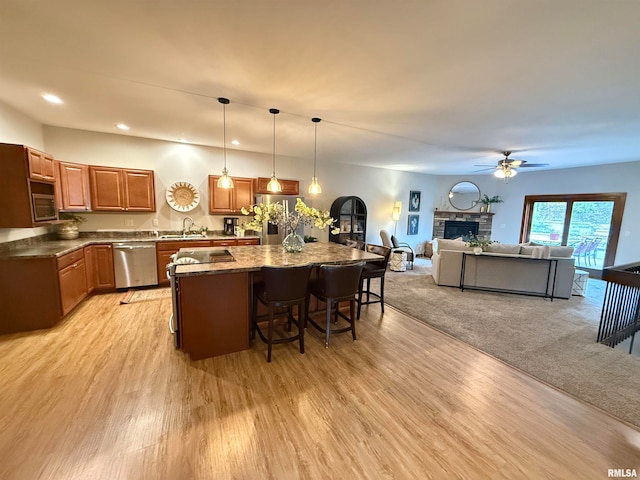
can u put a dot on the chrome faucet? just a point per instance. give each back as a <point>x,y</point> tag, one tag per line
<point>186,230</point>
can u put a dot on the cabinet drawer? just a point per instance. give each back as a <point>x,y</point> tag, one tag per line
<point>70,258</point>
<point>224,243</point>
<point>175,246</point>
<point>248,241</point>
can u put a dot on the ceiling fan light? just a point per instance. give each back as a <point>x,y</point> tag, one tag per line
<point>511,173</point>
<point>499,173</point>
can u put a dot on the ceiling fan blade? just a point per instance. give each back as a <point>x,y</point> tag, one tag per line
<point>516,163</point>
<point>485,165</point>
<point>484,169</point>
<point>535,165</point>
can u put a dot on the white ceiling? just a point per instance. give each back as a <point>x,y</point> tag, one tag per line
<point>427,86</point>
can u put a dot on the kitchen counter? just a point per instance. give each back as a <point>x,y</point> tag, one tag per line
<point>213,301</point>
<point>253,258</point>
<point>57,248</point>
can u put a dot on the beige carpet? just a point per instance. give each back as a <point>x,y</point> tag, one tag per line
<point>553,341</point>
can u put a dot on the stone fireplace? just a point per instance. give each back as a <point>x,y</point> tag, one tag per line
<point>483,219</point>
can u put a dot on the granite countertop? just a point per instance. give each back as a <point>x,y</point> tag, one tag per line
<point>252,258</point>
<point>57,248</point>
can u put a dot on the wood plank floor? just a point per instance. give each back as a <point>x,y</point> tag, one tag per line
<point>105,396</point>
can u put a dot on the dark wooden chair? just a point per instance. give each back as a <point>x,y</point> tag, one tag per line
<point>282,289</point>
<point>371,270</point>
<point>335,284</point>
<point>359,244</point>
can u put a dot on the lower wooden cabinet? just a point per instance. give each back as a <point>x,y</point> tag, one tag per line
<point>100,270</point>
<point>72,277</point>
<point>164,250</point>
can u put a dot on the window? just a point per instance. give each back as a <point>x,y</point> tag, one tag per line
<point>590,223</point>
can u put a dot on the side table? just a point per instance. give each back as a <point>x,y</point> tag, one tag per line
<point>398,261</point>
<point>580,283</point>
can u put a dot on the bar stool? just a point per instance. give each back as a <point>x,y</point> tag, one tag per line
<point>371,270</point>
<point>282,289</point>
<point>335,284</point>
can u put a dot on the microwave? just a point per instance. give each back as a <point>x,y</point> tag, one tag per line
<point>44,207</point>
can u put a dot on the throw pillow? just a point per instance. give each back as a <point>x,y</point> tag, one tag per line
<point>394,241</point>
<point>502,248</point>
<point>457,245</point>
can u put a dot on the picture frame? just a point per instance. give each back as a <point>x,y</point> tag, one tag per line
<point>414,200</point>
<point>413,224</point>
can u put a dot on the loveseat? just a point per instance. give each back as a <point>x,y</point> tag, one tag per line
<point>509,268</point>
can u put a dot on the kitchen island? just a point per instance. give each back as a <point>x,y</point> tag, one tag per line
<point>212,301</point>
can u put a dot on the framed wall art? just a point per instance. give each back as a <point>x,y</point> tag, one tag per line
<point>412,224</point>
<point>414,201</point>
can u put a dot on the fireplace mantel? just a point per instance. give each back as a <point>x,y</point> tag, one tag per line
<point>484,220</point>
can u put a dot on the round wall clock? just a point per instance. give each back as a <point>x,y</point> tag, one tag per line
<point>183,197</point>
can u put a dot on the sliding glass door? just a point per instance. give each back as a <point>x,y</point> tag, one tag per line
<point>590,223</point>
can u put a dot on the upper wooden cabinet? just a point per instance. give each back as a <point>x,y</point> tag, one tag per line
<point>222,200</point>
<point>72,187</point>
<point>18,187</point>
<point>289,187</point>
<point>41,165</point>
<point>122,189</point>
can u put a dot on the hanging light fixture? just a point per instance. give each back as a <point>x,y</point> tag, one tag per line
<point>274,184</point>
<point>315,188</point>
<point>506,172</point>
<point>225,181</point>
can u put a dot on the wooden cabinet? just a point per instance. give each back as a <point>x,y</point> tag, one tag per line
<point>41,165</point>
<point>18,187</point>
<point>72,187</point>
<point>99,267</point>
<point>72,277</point>
<point>230,200</point>
<point>121,189</point>
<point>289,187</point>
<point>164,250</point>
<point>248,241</point>
<point>351,215</point>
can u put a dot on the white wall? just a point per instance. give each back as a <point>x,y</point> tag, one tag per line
<point>173,162</point>
<point>620,177</point>
<point>15,127</point>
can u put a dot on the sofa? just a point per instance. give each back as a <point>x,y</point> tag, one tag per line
<point>509,268</point>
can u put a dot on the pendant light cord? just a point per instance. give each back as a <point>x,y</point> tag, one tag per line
<point>315,148</point>
<point>274,111</point>
<point>224,134</point>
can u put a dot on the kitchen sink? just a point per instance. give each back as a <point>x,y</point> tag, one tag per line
<point>186,235</point>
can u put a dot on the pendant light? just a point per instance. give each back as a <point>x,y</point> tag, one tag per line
<point>225,181</point>
<point>315,188</point>
<point>274,185</point>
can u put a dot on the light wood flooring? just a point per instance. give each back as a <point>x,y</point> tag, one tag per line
<point>105,396</point>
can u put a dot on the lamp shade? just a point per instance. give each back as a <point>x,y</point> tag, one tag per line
<point>397,209</point>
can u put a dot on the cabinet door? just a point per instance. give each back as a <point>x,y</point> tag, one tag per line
<point>139,191</point>
<point>73,181</point>
<point>104,276</point>
<point>242,193</point>
<point>90,268</point>
<point>41,166</point>
<point>73,285</point>
<point>164,250</point>
<point>220,199</point>
<point>289,187</point>
<point>106,189</point>
<point>163,257</point>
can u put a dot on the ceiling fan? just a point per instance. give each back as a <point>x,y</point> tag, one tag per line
<point>506,167</point>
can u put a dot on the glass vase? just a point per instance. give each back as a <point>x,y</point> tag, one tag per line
<point>293,243</point>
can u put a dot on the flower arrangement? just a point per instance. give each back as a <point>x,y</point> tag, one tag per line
<point>278,214</point>
<point>474,241</point>
<point>487,200</point>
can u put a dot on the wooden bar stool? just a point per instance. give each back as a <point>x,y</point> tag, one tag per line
<point>282,289</point>
<point>373,270</point>
<point>335,284</point>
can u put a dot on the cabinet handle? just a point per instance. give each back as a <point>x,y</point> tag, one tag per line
<point>75,265</point>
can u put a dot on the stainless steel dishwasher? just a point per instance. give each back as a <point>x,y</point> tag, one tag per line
<point>135,264</point>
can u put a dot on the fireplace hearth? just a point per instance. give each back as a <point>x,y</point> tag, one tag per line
<point>483,219</point>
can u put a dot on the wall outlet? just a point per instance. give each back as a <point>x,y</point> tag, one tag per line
<point>128,222</point>
<point>155,222</point>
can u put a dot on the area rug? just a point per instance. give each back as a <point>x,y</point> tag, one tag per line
<point>553,341</point>
<point>134,296</point>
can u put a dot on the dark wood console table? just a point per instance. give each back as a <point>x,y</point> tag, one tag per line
<point>486,258</point>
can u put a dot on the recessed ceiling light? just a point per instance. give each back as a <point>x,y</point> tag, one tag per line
<point>122,126</point>
<point>51,98</point>
<point>235,142</point>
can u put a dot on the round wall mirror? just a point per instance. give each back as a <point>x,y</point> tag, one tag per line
<point>464,195</point>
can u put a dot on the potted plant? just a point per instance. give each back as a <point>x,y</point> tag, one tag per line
<point>487,201</point>
<point>478,244</point>
<point>69,229</point>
